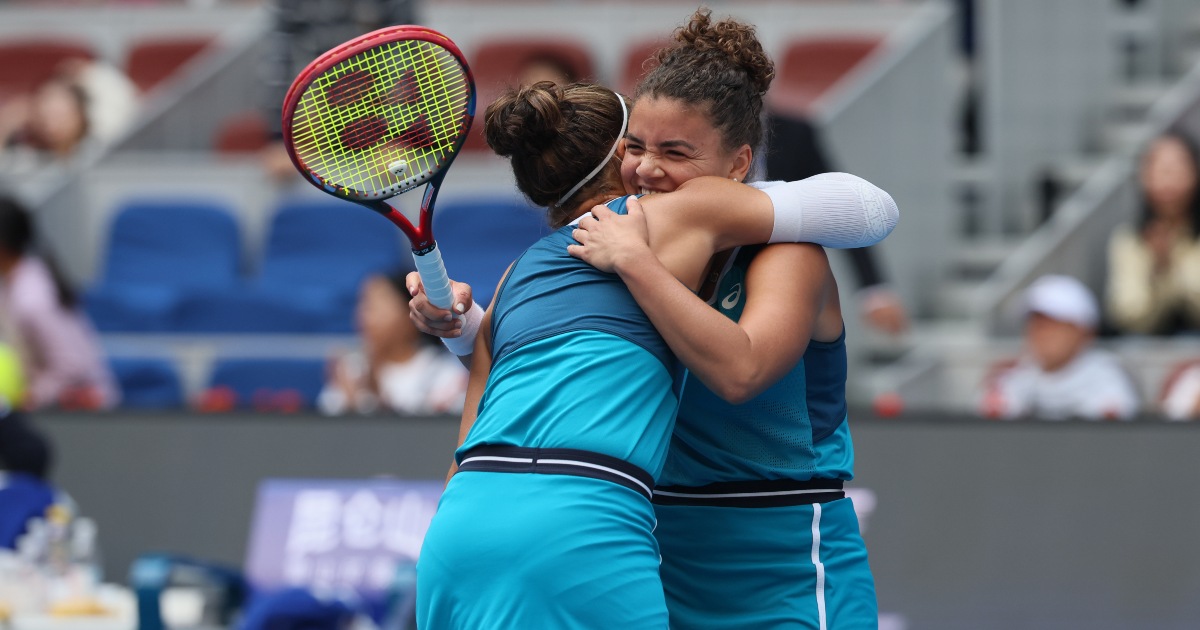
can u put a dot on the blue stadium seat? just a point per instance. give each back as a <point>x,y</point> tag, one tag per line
<point>157,251</point>
<point>249,309</point>
<point>23,497</point>
<point>318,253</point>
<point>480,238</point>
<point>256,381</point>
<point>147,382</point>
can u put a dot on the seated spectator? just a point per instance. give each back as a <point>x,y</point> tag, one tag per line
<point>1153,286</point>
<point>112,98</point>
<point>545,67</point>
<point>60,354</point>
<point>398,369</point>
<point>1060,374</point>
<point>86,101</point>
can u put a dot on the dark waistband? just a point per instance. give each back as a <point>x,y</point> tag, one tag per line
<point>557,461</point>
<point>752,494</point>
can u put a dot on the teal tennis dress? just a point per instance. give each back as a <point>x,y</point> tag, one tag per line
<point>754,527</point>
<point>548,523</point>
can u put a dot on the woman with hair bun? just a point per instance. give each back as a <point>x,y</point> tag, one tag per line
<point>573,393</point>
<point>753,522</point>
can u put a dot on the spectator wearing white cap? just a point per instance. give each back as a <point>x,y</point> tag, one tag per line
<point>1060,373</point>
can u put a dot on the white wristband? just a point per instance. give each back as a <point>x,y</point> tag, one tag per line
<point>464,344</point>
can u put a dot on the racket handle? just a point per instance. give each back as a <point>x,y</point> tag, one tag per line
<point>433,276</point>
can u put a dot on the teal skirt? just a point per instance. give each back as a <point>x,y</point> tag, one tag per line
<point>522,550</point>
<point>737,568</point>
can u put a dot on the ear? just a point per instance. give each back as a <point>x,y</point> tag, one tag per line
<point>743,159</point>
<point>621,144</point>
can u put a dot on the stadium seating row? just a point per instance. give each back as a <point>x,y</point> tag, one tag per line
<point>175,266</point>
<point>263,384</point>
<point>26,63</point>
<point>808,68</point>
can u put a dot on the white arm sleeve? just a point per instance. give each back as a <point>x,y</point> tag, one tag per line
<point>836,210</point>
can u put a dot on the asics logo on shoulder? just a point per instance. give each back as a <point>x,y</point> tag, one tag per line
<point>735,295</point>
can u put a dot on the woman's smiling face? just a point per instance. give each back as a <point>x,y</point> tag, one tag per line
<point>670,142</point>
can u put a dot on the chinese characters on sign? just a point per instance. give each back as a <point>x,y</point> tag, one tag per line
<point>339,536</point>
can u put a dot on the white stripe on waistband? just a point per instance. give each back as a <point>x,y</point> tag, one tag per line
<point>571,462</point>
<point>493,458</point>
<point>738,495</point>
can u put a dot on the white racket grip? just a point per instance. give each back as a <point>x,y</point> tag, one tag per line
<point>433,276</point>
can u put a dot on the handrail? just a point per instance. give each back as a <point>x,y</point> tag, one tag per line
<point>235,43</point>
<point>1021,266</point>
<point>53,180</point>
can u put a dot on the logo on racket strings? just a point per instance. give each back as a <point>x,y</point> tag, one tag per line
<point>366,96</point>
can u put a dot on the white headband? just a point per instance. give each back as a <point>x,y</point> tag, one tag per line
<point>611,152</point>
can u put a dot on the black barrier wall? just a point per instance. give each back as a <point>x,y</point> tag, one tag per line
<point>969,523</point>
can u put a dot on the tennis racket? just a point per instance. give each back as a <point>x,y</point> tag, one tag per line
<point>378,116</point>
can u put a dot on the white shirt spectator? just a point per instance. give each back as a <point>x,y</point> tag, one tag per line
<point>1092,386</point>
<point>60,349</point>
<point>432,382</point>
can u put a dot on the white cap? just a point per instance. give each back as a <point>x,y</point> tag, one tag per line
<point>1062,298</point>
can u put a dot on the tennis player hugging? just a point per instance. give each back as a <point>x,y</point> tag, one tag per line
<point>573,475</point>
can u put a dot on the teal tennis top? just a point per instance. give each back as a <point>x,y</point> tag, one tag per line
<point>576,363</point>
<point>796,429</point>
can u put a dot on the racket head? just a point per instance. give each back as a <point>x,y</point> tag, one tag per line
<point>380,114</point>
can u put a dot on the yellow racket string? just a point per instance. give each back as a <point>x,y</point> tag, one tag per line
<point>353,122</point>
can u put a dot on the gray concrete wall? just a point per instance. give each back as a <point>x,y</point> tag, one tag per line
<point>971,524</point>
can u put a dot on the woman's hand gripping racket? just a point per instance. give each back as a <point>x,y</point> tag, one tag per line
<point>378,116</point>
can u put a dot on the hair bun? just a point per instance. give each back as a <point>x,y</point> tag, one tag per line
<point>525,121</point>
<point>732,39</point>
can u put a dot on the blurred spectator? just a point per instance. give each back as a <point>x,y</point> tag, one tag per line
<point>112,98</point>
<point>86,101</point>
<point>1153,283</point>
<point>24,463</point>
<point>1060,374</point>
<point>545,67</point>
<point>303,30</point>
<point>59,351</point>
<point>795,152</point>
<point>398,369</point>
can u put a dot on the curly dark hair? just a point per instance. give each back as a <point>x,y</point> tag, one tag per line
<point>721,66</point>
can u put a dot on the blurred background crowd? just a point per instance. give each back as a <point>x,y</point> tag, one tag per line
<point>145,187</point>
<point>159,254</point>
